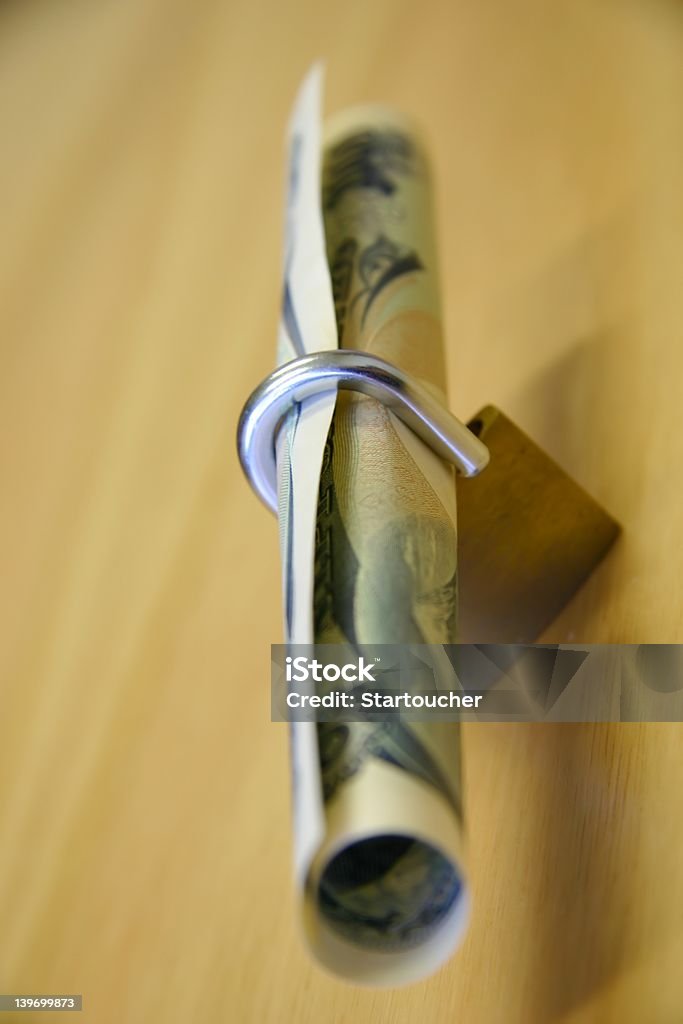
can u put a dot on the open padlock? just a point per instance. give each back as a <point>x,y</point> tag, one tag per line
<point>528,534</point>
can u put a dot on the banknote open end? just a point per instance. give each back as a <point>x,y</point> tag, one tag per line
<point>388,892</point>
<point>395,902</point>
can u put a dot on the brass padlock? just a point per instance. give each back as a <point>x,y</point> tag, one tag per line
<point>528,537</point>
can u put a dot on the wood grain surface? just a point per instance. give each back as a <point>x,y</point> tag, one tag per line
<point>144,793</point>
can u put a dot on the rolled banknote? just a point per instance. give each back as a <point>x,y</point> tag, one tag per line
<point>368,533</point>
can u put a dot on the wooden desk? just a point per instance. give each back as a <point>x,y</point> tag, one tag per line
<point>144,793</point>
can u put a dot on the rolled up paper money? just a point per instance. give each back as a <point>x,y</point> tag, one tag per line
<point>368,535</point>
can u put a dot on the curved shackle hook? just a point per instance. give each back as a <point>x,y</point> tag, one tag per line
<point>353,370</point>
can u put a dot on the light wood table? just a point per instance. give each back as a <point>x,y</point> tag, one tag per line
<point>144,793</point>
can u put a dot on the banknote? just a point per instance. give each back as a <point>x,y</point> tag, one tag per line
<point>307,324</point>
<point>369,546</point>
